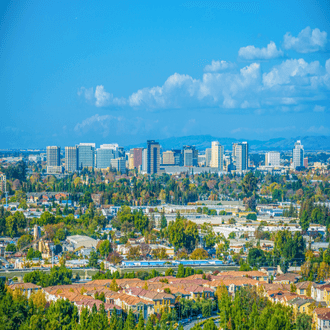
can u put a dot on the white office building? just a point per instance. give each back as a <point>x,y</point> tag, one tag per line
<point>272,158</point>
<point>298,155</point>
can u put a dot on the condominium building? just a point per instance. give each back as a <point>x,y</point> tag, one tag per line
<point>298,155</point>
<point>208,156</point>
<point>240,156</point>
<point>53,156</point>
<point>104,154</point>
<point>86,156</point>
<point>119,164</point>
<point>217,155</point>
<point>272,158</point>
<point>190,156</point>
<point>153,157</point>
<point>71,159</point>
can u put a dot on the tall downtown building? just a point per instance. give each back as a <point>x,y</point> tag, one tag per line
<point>240,156</point>
<point>298,155</point>
<point>53,156</point>
<point>217,155</point>
<point>86,156</point>
<point>190,156</point>
<point>153,157</point>
<point>71,159</point>
<point>104,155</point>
<point>137,157</point>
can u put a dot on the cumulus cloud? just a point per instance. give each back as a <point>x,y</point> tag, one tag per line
<point>266,53</point>
<point>218,66</point>
<point>289,70</point>
<point>226,90</point>
<point>290,86</point>
<point>101,98</point>
<point>308,40</point>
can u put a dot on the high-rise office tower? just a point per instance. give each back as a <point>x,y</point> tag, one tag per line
<point>298,155</point>
<point>53,156</point>
<point>208,156</point>
<point>86,155</point>
<point>168,158</point>
<point>71,159</point>
<point>190,156</point>
<point>241,155</point>
<point>104,154</point>
<point>120,152</point>
<point>137,154</point>
<point>272,158</point>
<point>217,155</point>
<point>119,164</point>
<point>153,157</point>
<point>144,166</point>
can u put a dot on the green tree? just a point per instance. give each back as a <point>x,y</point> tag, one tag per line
<point>180,272</point>
<point>93,260</point>
<point>304,322</point>
<point>104,248</point>
<point>304,221</point>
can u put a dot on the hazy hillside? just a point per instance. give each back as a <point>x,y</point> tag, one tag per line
<point>204,141</point>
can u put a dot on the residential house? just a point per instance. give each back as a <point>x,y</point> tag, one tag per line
<point>27,288</point>
<point>321,318</point>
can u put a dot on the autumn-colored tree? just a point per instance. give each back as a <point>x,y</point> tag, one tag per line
<point>114,286</point>
<point>199,254</point>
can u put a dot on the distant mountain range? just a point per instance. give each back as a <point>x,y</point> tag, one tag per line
<point>311,143</point>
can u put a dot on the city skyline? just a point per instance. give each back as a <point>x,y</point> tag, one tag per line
<point>130,73</point>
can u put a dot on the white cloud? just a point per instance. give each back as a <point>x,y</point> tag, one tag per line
<point>266,53</point>
<point>86,92</point>
<point>318,108</point>
<point>308,40</point>
<point>100,97</point>
<point>214,89</point>
<point>289,86</point>
<point>218,66</point>
<point>289,70</point>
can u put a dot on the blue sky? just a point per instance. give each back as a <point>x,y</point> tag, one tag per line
<point>127,71</point>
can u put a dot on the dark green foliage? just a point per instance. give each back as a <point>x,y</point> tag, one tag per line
<point>251,216</point>
<point>256,257</point>
<point>58,275</point>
